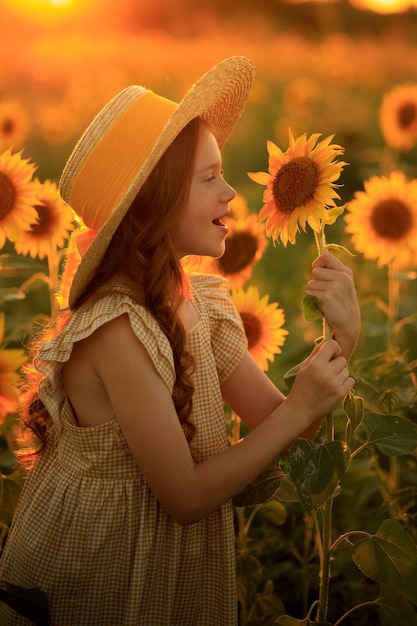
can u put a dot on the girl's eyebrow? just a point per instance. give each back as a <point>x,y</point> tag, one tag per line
<point>212,166</point>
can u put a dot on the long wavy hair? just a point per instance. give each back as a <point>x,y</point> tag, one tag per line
<point>141,250</point>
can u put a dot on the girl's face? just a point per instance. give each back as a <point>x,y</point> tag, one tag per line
<point>199,229</point>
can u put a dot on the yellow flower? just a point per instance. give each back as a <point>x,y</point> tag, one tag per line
<point>238,207</point>
<point>10,362</point>
<point>17,195</point>
<point>263,324</point>
<point>244,248</point>
<point>300,186</point>
<point>245,245</point>
<point>382,219</point>
<point>50,229</point>
<point>398,117</point>
<point>14,124</point>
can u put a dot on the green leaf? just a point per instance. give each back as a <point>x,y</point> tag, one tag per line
<point>395,610</point>
<point>290,376</point>
<point>391,434</point>
<point>35,281</point>
<point>9,495</point>
<point>263,488</point>
<point>338,248</point>
<point>287,620</point>
<point>353,408</point>
<point>333,214</point>
<point>389,556</point>
<point>312,308</point>
<point>12,265</point>
<point>275,512</point>
<point>8,460</point>
<point>287,491</point>
<point>316,470</point>
<point>11,294</point>
<point>249,573</point>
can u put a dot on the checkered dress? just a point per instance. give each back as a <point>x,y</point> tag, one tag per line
<point>88,530</point>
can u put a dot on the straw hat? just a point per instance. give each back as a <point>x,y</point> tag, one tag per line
<point>124,142</point>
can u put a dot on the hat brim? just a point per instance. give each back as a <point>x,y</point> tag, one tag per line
<point>219,97</point>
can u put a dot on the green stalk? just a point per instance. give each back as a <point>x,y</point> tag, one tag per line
<point>393,300</point>
<point>393,304</point>
<point>326,541</point>
<point>53,280</point>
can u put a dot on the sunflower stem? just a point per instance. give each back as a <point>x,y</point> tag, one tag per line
<point>393,304</point>
<point>393,300</point>
<point>325,554</point>
<point>53,279</point>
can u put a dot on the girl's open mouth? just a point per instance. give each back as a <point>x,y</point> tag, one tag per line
<point>220,224</point>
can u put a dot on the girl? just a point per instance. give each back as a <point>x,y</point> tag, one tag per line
<point>126,518</point>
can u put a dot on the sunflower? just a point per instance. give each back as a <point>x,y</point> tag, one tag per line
<point>300,186</point>
<point>382,219</point>
<point>17,195</point>
<point>10,363</point>
<point>245,245</point>
<point>398,117</point>
<point>244,248</point>
<point>263,323</point>
<point>52,226</point>
<point>14,124</point>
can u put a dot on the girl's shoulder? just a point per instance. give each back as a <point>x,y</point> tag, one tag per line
<point>106,307</point>
<point>213,293</point>
<point>208,283</point>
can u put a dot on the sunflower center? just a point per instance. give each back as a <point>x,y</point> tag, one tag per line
<point>7,127</point>
<point>240,251</point>
<point>406,115</point>
<point>7,196</point>
<point>391,219</point>
<point>43,223</point>
<point>253,328</point>
<point>294,184</point>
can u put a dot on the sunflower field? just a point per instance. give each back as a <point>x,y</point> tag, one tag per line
<point>324,157</point>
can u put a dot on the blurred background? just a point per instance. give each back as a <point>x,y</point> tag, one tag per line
<point>322,67</point>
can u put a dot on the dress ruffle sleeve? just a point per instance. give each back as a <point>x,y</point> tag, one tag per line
<point>85,321</point>
<point>228,338</point>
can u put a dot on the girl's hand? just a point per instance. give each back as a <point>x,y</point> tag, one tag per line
<point>322,381</point>
<point>332,283</point>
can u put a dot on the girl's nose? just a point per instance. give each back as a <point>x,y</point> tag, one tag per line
<point>229,193</point>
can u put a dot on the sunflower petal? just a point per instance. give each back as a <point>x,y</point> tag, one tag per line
<point>284,218</point>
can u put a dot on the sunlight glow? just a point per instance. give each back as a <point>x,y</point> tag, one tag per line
<point>385,6</point>
<point>41,5</point>
<point>44,10</point>
<point>60,3</point>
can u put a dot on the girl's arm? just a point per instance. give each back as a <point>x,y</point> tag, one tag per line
<point>332,283</point>
<point>145,412</point>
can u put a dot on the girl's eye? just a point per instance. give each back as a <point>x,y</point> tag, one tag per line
<point>210,179</point>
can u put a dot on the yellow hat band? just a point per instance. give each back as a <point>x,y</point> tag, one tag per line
<point>110,169</point>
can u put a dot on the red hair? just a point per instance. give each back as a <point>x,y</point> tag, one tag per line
<point>141,249</point>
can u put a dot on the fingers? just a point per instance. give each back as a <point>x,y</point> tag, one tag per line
<point>325,351</point>
<point>323,380</point>
<point>329,354</point>
<point>327,259</point>
<point>335,365</point>
<point>348,385</point>
<point>328,350</point>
